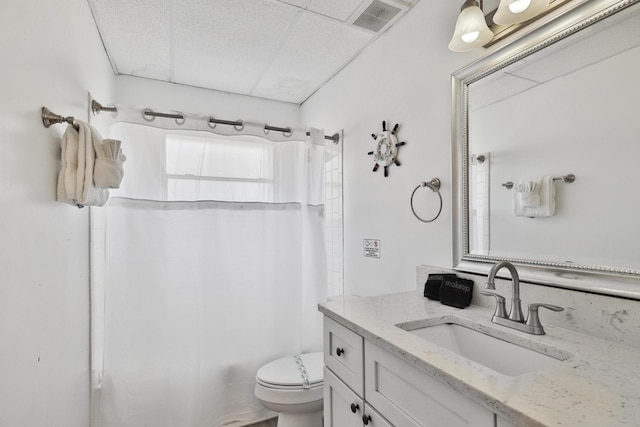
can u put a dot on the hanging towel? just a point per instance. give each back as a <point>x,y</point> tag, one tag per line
<point>108,170</point>
<point>534,199</point>
<point>527,193</point>
<point>75,180</point>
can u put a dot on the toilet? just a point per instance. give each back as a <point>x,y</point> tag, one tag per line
<point>293,387</point>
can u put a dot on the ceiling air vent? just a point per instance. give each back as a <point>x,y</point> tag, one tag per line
<point>376,15</point>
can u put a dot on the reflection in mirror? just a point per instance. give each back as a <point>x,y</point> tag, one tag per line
<point>566,107</point>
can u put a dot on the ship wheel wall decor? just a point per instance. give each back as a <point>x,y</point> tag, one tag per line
<point>386,152</point>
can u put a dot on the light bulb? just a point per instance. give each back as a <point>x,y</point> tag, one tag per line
<point>511,12</point>
<point>471,28</point>
<point>519,6</point>
<point>470,37</point>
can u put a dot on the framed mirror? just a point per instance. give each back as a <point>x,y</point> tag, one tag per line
<point>553,114</point>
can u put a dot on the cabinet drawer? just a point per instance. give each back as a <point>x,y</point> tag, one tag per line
<point>409,397</point>
<point>343,354</point>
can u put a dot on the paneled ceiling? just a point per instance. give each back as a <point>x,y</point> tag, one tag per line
<point>276,49</point>
<point>592,45</point>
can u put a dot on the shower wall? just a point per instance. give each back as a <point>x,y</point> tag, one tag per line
<point>52,56</point>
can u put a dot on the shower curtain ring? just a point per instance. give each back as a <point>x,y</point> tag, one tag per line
<point>147,114</point>
<point>180,120</point>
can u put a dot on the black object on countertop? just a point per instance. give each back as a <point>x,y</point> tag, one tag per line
<point>456,292</point>
<point>434,283</point>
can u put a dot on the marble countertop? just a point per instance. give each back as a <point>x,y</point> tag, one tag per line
<point>599,385</point>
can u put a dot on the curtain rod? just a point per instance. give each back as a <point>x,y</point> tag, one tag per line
<point>97,108</point>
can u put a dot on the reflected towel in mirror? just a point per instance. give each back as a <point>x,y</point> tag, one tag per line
<point>532,199</point>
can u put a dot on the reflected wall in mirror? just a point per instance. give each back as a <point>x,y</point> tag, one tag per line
<point>561,100</point>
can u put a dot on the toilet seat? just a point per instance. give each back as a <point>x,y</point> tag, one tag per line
<point>293,387</point>
<point>304,371</point>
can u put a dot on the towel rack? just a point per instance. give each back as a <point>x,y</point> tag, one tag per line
<point>49,118</point>
<point>565,178</point>
<point>434,185</point>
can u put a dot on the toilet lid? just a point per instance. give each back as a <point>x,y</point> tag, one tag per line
<point>290,370</point>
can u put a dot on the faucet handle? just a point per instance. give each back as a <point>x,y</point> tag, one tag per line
<point>501,310</point>
<point>533,320</point>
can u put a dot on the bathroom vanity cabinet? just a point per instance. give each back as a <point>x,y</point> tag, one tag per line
<point>366,385</point>
<point>377,361</point>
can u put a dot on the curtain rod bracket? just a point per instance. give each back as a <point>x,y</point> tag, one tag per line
<point>97,108</point>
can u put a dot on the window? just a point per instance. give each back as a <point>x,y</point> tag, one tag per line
<point>219,168</point>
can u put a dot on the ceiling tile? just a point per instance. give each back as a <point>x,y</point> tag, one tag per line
<point>584,51</point>
<point>314,51</point>
<point>336,9</point>
<point>496,88</point>
<point>297,3</point>
<point>136,35</point>
<point>282,50</point>
<point>227,44</point>
<point>339,9</point>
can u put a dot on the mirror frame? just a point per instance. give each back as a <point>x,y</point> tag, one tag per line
<point>619,282</point>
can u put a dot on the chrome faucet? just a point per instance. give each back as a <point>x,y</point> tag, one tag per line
<point>514,319</point>
<point>515,313</point>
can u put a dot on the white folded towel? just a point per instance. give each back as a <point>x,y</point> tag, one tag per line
<point>527,193</point>
<point>534,199</point>
<point>75,180</point>
<point>108,170</point>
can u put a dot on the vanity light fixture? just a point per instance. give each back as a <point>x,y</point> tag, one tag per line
<point>514,11</point>
<point>471,28</point>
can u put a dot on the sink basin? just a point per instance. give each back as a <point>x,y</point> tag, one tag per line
<point>494,353</point>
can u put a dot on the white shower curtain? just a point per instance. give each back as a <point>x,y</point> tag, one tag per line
<point>198,291</point>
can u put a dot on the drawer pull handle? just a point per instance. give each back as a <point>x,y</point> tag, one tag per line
<point>354,407</point>
<point>366,419</point>
<point>339,351</point>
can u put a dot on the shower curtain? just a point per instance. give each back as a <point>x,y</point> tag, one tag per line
<point>213,263</point>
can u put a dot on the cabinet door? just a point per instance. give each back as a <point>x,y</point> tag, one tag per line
<point>373,418</point>
<point>409,397</point>
<point>343,354</point>
<point>342,407</point>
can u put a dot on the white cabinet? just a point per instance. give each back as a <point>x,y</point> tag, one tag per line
<point>373,418</point>
<point>343,354</point>
<point>342,407</point>
<point>365,385</point>
<point>409,397</point>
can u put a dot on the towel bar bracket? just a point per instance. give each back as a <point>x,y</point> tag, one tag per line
<point>49,118</point>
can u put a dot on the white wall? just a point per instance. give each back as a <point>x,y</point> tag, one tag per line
<point>405,78</point>
<point>51,56</point>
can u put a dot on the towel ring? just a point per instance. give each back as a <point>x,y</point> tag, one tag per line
<point>434,185</point>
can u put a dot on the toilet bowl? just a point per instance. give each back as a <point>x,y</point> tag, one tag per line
<point>293,387</point>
